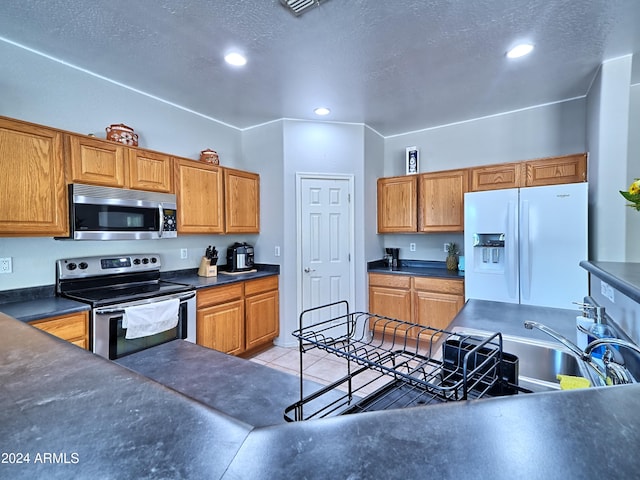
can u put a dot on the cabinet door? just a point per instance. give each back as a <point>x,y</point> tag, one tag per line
<point>436,310</point>
<point>437,301</point>
<point>441,201</point>
<point>495,177</point>
<point>199,192</point>
<point>33,197</point>
<point>150,171</point>
<point>397,204</point>
<point>95,161</point>
<point>241,201</point>
<point>73,328</point>
<point>262,318</point>
<point>221,327</point>
<point>394,303</point>
<point>557,170</point>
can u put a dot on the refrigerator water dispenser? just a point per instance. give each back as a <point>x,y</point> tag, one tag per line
<point>489,248</point>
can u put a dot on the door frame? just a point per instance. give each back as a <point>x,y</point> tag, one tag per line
<point>300,176</point>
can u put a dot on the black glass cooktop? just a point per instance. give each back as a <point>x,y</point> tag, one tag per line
<point>113,294</point>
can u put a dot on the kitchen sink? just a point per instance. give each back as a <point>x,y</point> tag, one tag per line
<point>539,362</point>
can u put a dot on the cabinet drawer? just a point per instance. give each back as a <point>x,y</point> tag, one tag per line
<point>67,327</point>
<point>214,295</point>
<point>440,285</point>
<point>266,284</point>
<point>396,281</point>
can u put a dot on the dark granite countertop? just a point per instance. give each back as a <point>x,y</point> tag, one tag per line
<point>107,421</point>
<point>39,308</point>
<point>624,276</point>
<point>252,393</point>
<point>55,397</point>
<point>416,268</point>
<point>29,304</point>
<point>190,277</point>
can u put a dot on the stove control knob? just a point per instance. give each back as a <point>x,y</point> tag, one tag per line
<point>71,266</point>
<point>154,260</point>
<point>83,265</point>
<point>145,260</point>
<point>136,261</point>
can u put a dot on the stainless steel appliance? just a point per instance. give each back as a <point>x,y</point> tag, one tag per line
<point>115,285</point>
<point>104,213</point>
<point>240,257</point>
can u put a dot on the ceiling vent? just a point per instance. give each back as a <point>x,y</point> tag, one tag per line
<point>298,7</point>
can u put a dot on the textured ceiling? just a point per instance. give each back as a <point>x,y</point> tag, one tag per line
<point>396,65</point>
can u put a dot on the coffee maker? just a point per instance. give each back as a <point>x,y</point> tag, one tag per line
<point>240,257</point>
<point>392,258</point>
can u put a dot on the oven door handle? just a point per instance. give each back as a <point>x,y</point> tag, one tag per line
<point>120,310</point>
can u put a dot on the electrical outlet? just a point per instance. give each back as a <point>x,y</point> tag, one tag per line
<point>446,248</point>
<point>183,253</point>
<point>277,251</point>
<point>5,265</point>
<point>412,247</point>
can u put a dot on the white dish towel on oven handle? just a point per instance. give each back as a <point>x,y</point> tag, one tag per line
<point>150,318</point>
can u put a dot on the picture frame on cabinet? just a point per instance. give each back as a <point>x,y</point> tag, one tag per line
<point>412,159</point>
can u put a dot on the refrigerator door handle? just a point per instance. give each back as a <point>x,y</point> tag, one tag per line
<point>511,245</point>
<point>525,256</point>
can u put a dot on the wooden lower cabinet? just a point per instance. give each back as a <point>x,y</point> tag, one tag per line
<point>389,296</point>
<point>432,302</point>
<point>238,318</point>
<point>221,327</point>
<point>262,319</point>
<point>73,328</point>
<point>437,301</point>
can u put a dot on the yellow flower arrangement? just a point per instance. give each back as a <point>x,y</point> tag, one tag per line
<point>633,195</point>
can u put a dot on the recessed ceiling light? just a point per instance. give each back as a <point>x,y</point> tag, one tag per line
<point>322,111</point>
<point>520,50</point>
<point>235,59</point>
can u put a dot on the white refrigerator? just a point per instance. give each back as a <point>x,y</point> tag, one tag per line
<point>524,245</point>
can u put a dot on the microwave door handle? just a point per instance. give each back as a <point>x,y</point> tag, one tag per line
<point>161,212</point>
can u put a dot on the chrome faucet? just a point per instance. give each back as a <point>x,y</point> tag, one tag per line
<point>614,374</point>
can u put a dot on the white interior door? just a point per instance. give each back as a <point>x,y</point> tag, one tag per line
<point>325,243</point>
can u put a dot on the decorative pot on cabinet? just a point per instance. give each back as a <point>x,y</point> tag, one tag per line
<point>209,156</point>
<point>119,132</point>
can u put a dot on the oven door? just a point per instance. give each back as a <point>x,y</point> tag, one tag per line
<point>109,337</point>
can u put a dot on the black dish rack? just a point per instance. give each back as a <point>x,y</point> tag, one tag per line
<point>398,364</point>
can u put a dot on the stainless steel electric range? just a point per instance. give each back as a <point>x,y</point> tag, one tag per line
<point>118,286</point>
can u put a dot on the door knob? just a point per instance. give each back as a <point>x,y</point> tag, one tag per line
<point>308,270</point>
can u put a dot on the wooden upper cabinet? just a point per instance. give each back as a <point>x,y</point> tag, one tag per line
<point>441,201</point>
<point>150,171</point>
<point>398,204</point>
<point>530,173</point>
<point>33,197</point>
<point>200,197</point>
<point>495,177</point>
<point>95,161</point>
<point>241,201</point>
<point>556,170</point>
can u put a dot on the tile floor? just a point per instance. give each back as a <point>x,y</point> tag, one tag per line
<point>318,366</point>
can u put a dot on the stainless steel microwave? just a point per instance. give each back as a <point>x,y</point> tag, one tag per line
<point>105,213</point>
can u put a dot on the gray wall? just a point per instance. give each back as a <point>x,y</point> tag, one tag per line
<point>544,131</point>
<point>633,171</point>
<point>608,134</point>
<point>40,90</point>
<point>325,148</point>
